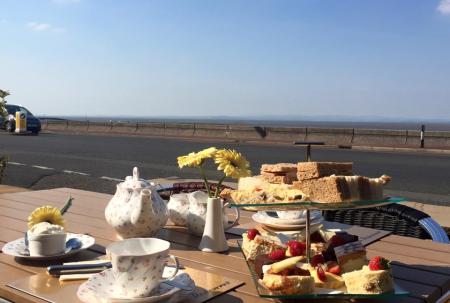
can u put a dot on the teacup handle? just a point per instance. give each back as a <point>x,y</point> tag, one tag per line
<point>177,264</point>
<point>238,216</point>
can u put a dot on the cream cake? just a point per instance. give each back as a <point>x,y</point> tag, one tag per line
<point>351,256</point>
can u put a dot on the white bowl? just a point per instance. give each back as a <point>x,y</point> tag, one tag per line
<point>46,244</point>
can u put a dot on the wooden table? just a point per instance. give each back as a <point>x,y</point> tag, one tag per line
<point>420,266</point>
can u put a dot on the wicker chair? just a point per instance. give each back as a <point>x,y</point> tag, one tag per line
<point>399,219</point>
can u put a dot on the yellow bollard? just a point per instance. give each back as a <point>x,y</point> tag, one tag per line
<point>21,122</point>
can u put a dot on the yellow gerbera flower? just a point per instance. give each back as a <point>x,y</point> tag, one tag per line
<point>46,213</point>
<point>191,160</point>
<point>196,159</point>
<point>208,152</point>
<point>232,163</point>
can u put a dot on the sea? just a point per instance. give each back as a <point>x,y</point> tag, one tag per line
<point>373,123</point>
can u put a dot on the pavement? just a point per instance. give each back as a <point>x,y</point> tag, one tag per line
<point>99,162</point>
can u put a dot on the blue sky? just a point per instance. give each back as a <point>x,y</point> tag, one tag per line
<point>152,58</point>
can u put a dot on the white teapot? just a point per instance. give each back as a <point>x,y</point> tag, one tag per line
<point>136,210</point>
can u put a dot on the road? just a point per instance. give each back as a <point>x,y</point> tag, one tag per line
<point>94,162</point>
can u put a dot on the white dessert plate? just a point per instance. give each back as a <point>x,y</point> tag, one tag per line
<point>272,217</point>
<point>100,289</point>
<point>15,248</point>
<point>263,220</point>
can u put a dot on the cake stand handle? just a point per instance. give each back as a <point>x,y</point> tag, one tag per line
<point>308,237</point>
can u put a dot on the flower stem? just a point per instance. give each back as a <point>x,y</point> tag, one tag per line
<point>219,185</point>
<point>202,171</point>
<point>66,206</point>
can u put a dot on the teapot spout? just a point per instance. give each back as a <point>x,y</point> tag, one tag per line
<point>143,206</point>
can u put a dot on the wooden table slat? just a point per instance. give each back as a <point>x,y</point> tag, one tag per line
<point>77,208</point>
<point>428,293</point>
<point>57,196</point>
<point>422,277</point>
<point>416,263</point>
<point>419,243</point>
<point>416,252</point>
<point>9,273</point>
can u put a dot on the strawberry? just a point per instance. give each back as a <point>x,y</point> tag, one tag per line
<point>321,274</point>
<point>296,248</point>
<point>316,260</point>
<point>277,255</point>
<point>378,263</point>
<point>251,233</point>
<point>336,269</point>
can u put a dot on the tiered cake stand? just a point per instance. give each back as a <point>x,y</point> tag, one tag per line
<point>311,205</point>
<point>308,206</point>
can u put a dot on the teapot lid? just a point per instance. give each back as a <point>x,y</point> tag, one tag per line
<point>134,181</point>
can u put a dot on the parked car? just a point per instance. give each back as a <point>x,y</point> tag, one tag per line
<point>33,123</point>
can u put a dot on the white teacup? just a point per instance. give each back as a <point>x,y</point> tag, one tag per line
<point>197,213</point>
<point>138,265</point>
<point>291,214</point>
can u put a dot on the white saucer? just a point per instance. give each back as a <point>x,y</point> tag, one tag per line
<point>14,248</point>
<point>99,289</point>
<point>262,219</point>
<point>272,217</point>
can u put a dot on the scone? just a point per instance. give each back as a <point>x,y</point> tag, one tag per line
<point>286,277</point>
<point>373,279</point>
<point>289,284</point>
<point>255,245</point>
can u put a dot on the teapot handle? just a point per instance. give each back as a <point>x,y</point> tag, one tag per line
<point>238,216</point>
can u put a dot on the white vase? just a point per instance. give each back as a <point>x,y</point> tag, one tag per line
<point>213,239</point>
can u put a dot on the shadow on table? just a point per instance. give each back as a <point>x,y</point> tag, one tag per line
<point>81,256</point>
